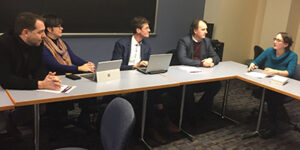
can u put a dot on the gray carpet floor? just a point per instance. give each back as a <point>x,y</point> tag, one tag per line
<point>241,104</point>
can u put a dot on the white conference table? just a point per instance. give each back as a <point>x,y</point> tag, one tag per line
<point>290,89</point>
<point>5,102</point>
<point>133,81</point>
<point>130,81</point>
<point>223,71</point>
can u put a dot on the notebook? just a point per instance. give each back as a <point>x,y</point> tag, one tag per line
<point>106,70</point>
<point>158,63</point>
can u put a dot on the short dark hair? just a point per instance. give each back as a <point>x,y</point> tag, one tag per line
<point>137,22</point>
<point>195,25</point>
<point>26,20</point>
<point>52,21</point>
<point>286,39</point>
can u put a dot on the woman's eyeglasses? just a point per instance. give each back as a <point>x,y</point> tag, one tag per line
<point>277,40</point>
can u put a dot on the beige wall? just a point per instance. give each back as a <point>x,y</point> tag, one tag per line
<point>293,26</point>
<point>297,44</point>
<point>212,13</point>
<point>259,19</point>
<point>275,20</point>
<point>234,25</point>
<point>241,24</point>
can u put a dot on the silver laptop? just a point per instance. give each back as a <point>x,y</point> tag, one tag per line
<point>106,70</point>
<point>158,63</point>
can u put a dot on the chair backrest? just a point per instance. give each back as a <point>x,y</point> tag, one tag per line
<point>117,123</point>
<point>174,60</point>
<point>296,75</point>
<point>257,51</point>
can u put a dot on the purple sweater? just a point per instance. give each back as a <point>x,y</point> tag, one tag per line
<point>52,64</point>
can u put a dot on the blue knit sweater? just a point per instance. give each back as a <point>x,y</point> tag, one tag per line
<point>286,62</point>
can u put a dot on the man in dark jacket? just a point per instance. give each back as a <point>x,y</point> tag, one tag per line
<point>21,56</point>
<point>21,60</point>
<point>134,50</point>
<point>196,50</point>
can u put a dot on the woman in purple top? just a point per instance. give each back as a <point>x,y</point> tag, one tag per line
<point>57,55</point>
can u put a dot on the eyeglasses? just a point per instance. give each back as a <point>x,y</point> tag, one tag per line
<point>277,40</point>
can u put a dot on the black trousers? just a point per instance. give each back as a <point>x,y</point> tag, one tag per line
<point>275,103</point>
<point>205,103</point>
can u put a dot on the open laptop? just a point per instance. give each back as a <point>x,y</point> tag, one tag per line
<point>106,70</point>
<point>158,63</point>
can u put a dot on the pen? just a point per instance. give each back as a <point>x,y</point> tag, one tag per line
<point>195,71</point>
<point>66,89</point>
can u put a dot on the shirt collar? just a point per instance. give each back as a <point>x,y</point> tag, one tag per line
<point>134,42</point>
<point>196,40</point>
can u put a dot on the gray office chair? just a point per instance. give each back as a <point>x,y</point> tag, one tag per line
<point>116,125</point>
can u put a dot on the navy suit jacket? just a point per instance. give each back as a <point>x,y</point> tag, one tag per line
<point>122,51</point>
<point>185,51</point>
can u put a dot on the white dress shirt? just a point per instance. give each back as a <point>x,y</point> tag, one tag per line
<point>135,53</point>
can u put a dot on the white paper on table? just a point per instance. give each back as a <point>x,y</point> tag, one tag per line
<point>256,74</point>
<point>63,89</point>
<point>191,69</point>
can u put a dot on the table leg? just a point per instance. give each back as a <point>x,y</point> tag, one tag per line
<point>144,109</point>
<point>190,137</point>
<point>37,126</point>
<point>224,104</point>
<point>261,107</point>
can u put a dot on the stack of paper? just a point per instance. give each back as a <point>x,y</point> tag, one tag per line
<point>279,80</point>
<point>191,69</point>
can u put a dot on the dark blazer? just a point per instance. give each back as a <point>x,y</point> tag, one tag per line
<point>185,51</point>
<point>122,51</point>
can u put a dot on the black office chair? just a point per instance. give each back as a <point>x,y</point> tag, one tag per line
<point>257,51</point>
<point>174,60</point>
<point>296,76</point>
<point>117,124</point>
<point>257,91</point>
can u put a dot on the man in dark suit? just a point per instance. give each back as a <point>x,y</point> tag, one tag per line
<point>134,50</point>
<point>196,50</point>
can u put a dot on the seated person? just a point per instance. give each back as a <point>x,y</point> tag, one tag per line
<point>279,60</point>
<point>58,56</point>
<point>21,58</point>
<point>196,50</point>
<point>135,52</point>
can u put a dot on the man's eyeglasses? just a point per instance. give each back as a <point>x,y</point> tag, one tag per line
<point>277,40</point>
